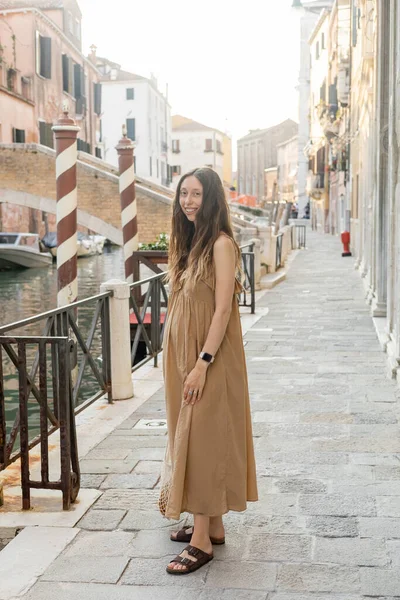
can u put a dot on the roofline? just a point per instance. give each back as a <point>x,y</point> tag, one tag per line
<point>51,23</point>
<point>258,132</point>
<point>134,82</point>
<point>294,137</point>
<point>325,13</point>
<point>178,129</point>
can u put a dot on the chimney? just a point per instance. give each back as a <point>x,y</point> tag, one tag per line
<point>92,56</point>
<point>113,74</point>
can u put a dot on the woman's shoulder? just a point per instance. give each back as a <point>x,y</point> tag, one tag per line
<point>223,242</point>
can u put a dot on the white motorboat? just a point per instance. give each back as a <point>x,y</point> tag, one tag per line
<point>87,245</point>
<point>22,250</point>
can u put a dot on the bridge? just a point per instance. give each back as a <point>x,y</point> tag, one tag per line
<point>28,189</point>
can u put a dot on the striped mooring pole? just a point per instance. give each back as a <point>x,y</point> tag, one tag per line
<point>125,149</point>
<point>66,132</point>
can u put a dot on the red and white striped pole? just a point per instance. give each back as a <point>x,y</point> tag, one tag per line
<point>127,192</point>
<point>66,132</point>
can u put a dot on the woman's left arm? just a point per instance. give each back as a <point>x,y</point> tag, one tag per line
<point>225,271</point>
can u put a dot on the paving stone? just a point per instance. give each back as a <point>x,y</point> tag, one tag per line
<point>333,527</point>
<point>318,578</point>
<point>279,548</point>
<point>88,569</point>
<point>393,548</point>
<point>101,543</point>
<point>337,505</point>
<point>145,519</point>
<point>91,481</point>
<point>358,444</point>
<point>147,454</point>
<point>107,454</point>
<point>287,525</point>
<point>130,440</point>
<point>379,527</point>
<point>388,506</point>
<point>306,486</point>
<point>102,520</point>
<point>380,582</point>
<point>153,544</point>
<point>130,481</point>
<point>285,596</point>
<point>108,466</point>
<point>148,466</point>
<point>275,504</point>
<point>128,499</point>
<point>348,551</point>
<point>142,571</point>
<point>252,575</point>
<point>230,595</point>
<point>96,591</point>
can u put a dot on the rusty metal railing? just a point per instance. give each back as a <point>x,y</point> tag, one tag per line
<point>249,282</point>
<point>54,397</point>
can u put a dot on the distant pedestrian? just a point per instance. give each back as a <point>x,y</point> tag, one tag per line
<point>209,467</point>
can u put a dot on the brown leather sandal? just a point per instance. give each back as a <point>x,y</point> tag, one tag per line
<point>199,559</point>
<point>185,536</point>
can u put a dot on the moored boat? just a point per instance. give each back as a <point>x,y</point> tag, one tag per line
<point>22,250</point>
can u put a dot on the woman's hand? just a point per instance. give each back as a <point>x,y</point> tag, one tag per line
<point>194,384</point>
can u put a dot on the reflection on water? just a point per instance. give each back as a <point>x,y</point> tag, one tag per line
<point>25,293</point>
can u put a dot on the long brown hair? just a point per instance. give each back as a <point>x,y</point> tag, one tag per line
<point>191,247</point>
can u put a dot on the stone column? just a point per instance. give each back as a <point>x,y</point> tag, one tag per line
<point>66,133</point>
<point>379,304</point>
<point>120,339</point>
<point>125,149</point>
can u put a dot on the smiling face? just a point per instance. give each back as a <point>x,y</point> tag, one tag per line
<point>191,197</point>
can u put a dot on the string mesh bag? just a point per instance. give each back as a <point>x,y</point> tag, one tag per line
<point>165,485</point>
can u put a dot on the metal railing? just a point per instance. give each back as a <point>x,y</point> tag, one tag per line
<point>88,323</point>
<point>54,396</point>
<point>299,236</point>
<point>148,315</point>
<point>278,259</point>
<point>248,283</point>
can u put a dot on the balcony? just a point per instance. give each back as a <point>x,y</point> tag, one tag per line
<point>316,185</point>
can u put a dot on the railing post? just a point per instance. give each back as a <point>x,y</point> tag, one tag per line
<point>125,149</point>
<point>66,132</point>
<point>257,262</point>
<point>120,339</point>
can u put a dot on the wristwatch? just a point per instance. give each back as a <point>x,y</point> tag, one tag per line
<point>207,357</point>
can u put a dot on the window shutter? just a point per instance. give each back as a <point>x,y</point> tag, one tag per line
<point>78,81</point>
<point>14,135</point>
<point>130,129</point>
<point>45,57</point>
<point>65,72</point>
<point>22,136</point>
<point>97,98</point>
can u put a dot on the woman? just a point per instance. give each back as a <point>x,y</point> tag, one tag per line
<point>209,467</point>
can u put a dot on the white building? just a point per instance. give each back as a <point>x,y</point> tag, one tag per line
<point>195,145</point>
<point>287,170</point>
<point>309,14</point>
<point>136,102</point>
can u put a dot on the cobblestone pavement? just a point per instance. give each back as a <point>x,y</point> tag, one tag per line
<point>327,440</point>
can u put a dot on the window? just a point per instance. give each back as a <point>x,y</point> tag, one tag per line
<point>46,134</point>
<point>130,129</point>
<point>175,146</point>
<point>151,166</point>
<point>317,50</point>
<point>66,73</point>
<point>219,149</point>
<point>43,56</point>
<point>70,23</point>
<point>98,152</point>
<point>97,98</point>
<point>79,81</point>
<point>18,136</point>
<point>322,41</point>
<point>84,146</point>
<point>12,80</point>
<point>77,29</point>
<point>208,146</point>
<point>130,93</point>
<point>176,170</point>
<point>26,87</point>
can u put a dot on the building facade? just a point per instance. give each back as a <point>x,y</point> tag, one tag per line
<point>42,68</point>
<point>197,145</point>
<point>270,185</point>
<point>288,170</point>
<point>309,13</point>
<point>136,102</point>
<point>257,151</point>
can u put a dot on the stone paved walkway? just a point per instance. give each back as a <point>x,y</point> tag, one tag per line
<point>327,439</point>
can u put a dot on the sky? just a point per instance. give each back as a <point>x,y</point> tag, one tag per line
<point>228,64</point>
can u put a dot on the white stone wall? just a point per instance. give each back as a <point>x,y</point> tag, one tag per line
<point>152,119</point>
<point>192,154</point>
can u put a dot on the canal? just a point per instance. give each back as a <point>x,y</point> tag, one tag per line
<point>28,292</point>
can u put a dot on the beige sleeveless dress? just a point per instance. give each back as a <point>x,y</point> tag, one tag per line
<point>209,466</point>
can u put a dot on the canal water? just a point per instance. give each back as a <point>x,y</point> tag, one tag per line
<point>28,292</point>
